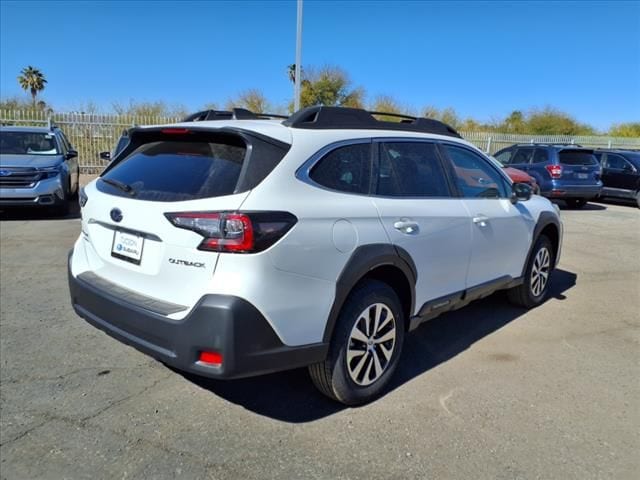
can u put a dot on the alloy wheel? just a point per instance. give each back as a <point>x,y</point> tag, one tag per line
<point>540,271</point>
<point>371,344</point>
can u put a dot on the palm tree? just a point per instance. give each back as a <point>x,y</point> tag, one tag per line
<point>291,70</point>
<point>33,80</point>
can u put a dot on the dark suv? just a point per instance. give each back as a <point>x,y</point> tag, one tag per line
<point>620,173</point>
<point>567,172</point>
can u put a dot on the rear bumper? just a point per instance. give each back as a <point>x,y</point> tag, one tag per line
<point>572,191</point>
<point>224,324</point>
<point>44,193</point>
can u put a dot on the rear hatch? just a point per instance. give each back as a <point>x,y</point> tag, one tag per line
<point>579,166</point>
<point>129,237</point>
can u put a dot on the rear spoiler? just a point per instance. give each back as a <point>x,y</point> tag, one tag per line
<point>140,135</point>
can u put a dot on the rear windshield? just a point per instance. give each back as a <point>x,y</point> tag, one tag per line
<point>171,171</point>
<point>577,157</point>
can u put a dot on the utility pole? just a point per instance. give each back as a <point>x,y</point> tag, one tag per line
<point>298,72</point>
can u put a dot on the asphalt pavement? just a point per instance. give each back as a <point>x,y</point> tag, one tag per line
<point>490,391</point>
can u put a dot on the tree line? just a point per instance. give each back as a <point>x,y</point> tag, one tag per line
<point>331,85</point>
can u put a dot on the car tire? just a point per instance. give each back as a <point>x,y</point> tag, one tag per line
<point>371,313</point>
<point>638,198</point>
<point>76,191</point>
<point>576,202</point>
<point>535,287</point>
<point>62,209</point>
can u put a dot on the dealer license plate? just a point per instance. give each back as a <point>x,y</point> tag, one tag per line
<point>127,246</point>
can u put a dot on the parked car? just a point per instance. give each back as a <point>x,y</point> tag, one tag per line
<point>620,173</point>
<point>120,144</point>
<point>236,247</point>
<point>567,172</point>
<point>518,176</point>
<point>38,167</point>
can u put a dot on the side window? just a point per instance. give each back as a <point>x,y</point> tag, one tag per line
<point>615,162</point>
<point>523,155</point>
<point>476,178</point>
<point>540,156</point>
<point>504,157</point>
<point>347,169</point>
<point>410,169</point>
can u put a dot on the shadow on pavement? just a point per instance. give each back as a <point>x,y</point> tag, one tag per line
<point>38,213</point>
<point>291,397</point>
<point>622,202</point>
<point>587,207</point>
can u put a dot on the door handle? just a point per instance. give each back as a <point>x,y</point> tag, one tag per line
<point>407,226</point>
<point>481,220</point>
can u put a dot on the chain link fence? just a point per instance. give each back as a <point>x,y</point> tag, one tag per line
<point>91,134</point>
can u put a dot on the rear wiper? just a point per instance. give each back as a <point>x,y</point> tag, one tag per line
<point>120,185</point>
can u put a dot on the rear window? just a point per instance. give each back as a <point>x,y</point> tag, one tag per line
<point>346,169</point>
<point>577,157</point>
<point>170,171</point>
<point>191,164</point>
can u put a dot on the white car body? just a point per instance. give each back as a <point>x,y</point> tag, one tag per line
<point>456,244</point>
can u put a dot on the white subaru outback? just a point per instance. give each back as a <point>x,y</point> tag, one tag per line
<point>244,245</point>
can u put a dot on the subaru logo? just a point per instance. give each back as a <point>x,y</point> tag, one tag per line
<point>116,215</point>
<point>5,173</point>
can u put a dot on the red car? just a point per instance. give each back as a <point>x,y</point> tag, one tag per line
<point>518,176</point>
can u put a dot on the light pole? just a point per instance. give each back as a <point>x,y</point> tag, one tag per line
<point>296,87</point>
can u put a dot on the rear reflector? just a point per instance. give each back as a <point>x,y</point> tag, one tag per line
<point>554,170</point>
<point>211,358</point>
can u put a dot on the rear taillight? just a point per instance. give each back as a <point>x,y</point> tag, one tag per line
<point>235,232</point>
<point>554,170</point>
<point>175,131</point>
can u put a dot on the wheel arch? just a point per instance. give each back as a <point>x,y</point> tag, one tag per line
<point>383,262</point>
<point>548,225</point>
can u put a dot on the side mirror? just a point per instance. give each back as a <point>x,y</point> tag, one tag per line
<point>520,192</point>
<point>105,156</point>
<point>71,154</point>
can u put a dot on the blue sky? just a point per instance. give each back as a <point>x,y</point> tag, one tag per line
<point>484,59</point>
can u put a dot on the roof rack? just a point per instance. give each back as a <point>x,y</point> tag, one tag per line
<point>620,149</point>
<point>551,144</point>
<point>234,114</point>
<point>321,117</point>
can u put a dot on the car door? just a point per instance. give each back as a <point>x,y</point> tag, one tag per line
<point>537,169</point>
<point>72,162</point>
<point>521,158</point>
<point>501,231</point>
<point>421,215</point>
<point>504,156</point>
<point>617,172</point>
